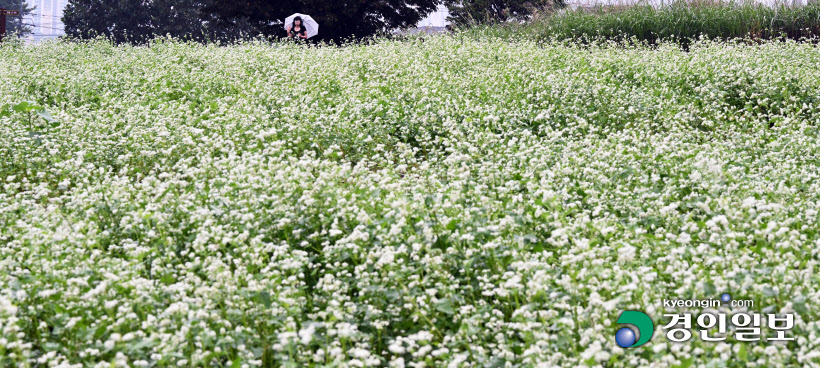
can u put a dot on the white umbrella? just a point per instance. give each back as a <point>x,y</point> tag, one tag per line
<point>311,27</point>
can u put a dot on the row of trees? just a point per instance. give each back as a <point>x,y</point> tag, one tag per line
<point>140,20</point>
<point>467,12</point>
<point>137,20</point>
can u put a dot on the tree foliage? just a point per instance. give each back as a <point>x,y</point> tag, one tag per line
<point>468,12</point>
<point>337,19</point>
<point>139,20</point>
<point>17,24</point>
<point>135,20</point>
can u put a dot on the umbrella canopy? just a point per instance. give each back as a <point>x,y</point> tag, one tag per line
<point>311,27</point>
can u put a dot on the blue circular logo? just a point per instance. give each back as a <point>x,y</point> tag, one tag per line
<point>725,298</point>
<point>625,337</point>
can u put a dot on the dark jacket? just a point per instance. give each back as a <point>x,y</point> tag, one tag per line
<point>302,32</point>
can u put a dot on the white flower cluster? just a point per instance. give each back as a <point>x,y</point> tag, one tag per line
<point>453,202</point>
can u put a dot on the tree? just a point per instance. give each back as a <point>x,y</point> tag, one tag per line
<point>468,12</point>
<point>140,20</point>
<point>338,19</point>
<point>134,20</point>
<point>117,19</point>
<point>17,24</point>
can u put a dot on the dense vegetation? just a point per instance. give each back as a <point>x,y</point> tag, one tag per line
<point>472,12</point>
<point>451,202</point>
<point>139,21</point>
<point>679,21</point>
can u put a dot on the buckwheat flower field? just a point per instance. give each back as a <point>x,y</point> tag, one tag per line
<point>440,202</point>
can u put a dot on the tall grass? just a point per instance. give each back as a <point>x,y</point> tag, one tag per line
<point>680,20</point>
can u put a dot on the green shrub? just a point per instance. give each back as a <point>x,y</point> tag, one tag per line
<point>680,21</point>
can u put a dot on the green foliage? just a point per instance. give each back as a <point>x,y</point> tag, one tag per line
<point>138,21</point>
<point>31,109</point>
<point>381,204</point>
<point>679,21</point>
<point>338,20</point>
<point>475,12</point>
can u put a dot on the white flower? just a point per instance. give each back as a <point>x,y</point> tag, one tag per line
<point>378,204</point>
<point>306,334</point>
<point>626,253</point>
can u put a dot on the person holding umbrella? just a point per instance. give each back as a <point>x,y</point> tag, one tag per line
<point>297,29</point>
<point>301,26</point>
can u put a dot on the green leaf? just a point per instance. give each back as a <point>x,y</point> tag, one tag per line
<point>685,363</point>
<point>451,225</point>
<point>392,295</point>
<point>37,136</point>
<point>264,297</point>
<point>708,288</point>
<point>625,173</point>
<point>799,304</point>
<point>99,332</point>
<point>45,115</point>
<point>741,353</point>
<point>760,244</point>
<point>444,306</point>
<point>139,345</point>
<point>25,106</point>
